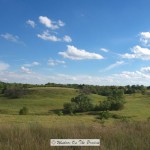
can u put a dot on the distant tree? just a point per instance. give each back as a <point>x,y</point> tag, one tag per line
<point>115,101</point>
<point>14,92</point>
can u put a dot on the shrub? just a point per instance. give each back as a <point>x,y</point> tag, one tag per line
<point>70,108</point>
<point>80,103</point>
<point>115,101</point>
<point>59,113</point>
<point>23,111</point>
<point>104,115</point>
<point>83,103</point>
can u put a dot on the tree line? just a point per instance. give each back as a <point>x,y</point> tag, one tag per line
<point>15,90</point>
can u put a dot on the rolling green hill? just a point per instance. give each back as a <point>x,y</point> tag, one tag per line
<point>34,130</point>
<point>42,101</point>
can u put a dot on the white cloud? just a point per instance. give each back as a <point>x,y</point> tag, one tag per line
<point>52,62</point>
<point>35,63</point>
<point>131,78</point>
<point>145,69</point>
<point>104,50</point>
<point>10,37</point>
<point>79,54</point>
<point>67,38</point>
<point>61,23</point>
<point>23,77</point>
<point>138,52</point>
<point>145,38</point>
<point>4,66</point>
<point>48,22</point>
<point>46,36</point>
<point>123,78</point>
<point>25,70</point>
<point>118,63</point>
<point>31,23</point>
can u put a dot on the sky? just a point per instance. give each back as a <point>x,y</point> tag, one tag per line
<point>75,41</point>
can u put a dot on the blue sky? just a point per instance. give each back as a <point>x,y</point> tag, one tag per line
<point>73,41</point>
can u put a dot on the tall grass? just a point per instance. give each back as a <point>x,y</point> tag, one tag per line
<point>119,136</point>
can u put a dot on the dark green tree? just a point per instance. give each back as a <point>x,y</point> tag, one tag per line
<point>80,103</point>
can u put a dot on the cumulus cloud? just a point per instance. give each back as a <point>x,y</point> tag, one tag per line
<point>67,38</point>
<point>138,52</point>
<point>145,38</point>
<point>4,66</point>
<point>104,50</point>
<point>118,63</point>
<point>52,62</point>
<point>145,69</point>
<point>10,37</point>
<point>35,63</point>
<point>48,37</point>
<point>25,70</point>
<point>48,22</point>
<point>31,23</point>
<point>79,54</point>
<point>51,24</point>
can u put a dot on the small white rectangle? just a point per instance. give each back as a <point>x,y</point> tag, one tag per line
<point>75,142</point>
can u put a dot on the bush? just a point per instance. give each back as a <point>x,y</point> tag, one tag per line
<point>23,111</point>
<point>80,103</point>
<point>104,115</point>
<point>70,108</point>
<point>115,101</point>
<point>59,113</point>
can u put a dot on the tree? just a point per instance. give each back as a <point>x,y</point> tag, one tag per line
<point>115,101</point>
<point>80,103</point>
<point>14,91</point>
<point>70,108</point>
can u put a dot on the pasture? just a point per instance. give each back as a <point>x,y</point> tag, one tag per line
<point>33,131</point>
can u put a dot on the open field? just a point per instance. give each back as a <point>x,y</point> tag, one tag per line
<point>33,131</point>
<point>42,101</point>
<point>120,136</point>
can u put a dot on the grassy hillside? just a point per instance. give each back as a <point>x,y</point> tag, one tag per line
<point>42,101</point>
<point>33,131</point>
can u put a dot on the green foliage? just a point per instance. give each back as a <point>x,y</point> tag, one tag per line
<point>59,113</point>
<point>70,108</point>
<point>80,103</point>
<point>115,101</point>
<point>23,111</point>
<point>14,92</point>
<point>104,115</point>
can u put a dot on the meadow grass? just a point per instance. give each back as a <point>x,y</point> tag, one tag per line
<point>33,131</point>
<point>120,136</point>
<point>42,101</point>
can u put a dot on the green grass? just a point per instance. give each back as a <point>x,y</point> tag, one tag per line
<point>42,101</point>
<point>33,131</point>
<point>137,107</point>
<point>39,100</point>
